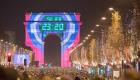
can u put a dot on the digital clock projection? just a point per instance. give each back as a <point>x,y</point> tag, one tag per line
<point>52,26</point>
<point>39,25</point>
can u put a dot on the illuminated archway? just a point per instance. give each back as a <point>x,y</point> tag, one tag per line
<point>39,25</point>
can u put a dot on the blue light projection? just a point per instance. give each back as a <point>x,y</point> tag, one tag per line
<point>65,25</point>
<point>18,59</point>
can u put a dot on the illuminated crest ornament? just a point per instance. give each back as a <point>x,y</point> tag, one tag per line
<point>65,25</point>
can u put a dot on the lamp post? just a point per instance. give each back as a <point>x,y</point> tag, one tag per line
<point>9,58</point>
<point>100,41</point>
<point>102,38</point>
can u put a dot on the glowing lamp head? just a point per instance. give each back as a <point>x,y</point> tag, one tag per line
<point>125,61</point>
<point>9,57</point>
<point>89,35</point>
<point>111,9</point>
<point>1,40</point>
<point>97,25</point>
<point>103,18</point>
<point>92,31</point>
<point>9,54</point>
<point>86,38</point>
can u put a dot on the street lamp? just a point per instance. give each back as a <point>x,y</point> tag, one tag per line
<point>81,44</point>
<point>86,38</point>
<point>13,44</point>
<point>9,58</point>
<point>84,41</point>
<point>111,9</point>
<point>9,43</point>
<point>1,40</point>
<point>92,31</point>
<point>89,35</point>
<point>103,18</point>
<point>100,41</point>
<point>97,25</point>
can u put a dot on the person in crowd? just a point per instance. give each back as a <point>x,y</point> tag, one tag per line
<point>8,74</point>
<point>77,78</point>
<point>2,74</point>
<point>25,76</point>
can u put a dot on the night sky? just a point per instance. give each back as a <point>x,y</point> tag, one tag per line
<point>13,11</point>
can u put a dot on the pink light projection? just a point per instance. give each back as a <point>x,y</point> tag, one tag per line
<point>39,24</point>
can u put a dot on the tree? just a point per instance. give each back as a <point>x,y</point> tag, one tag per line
<point>114,36</point>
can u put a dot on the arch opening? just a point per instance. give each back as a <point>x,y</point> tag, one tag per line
<point>52,50</point>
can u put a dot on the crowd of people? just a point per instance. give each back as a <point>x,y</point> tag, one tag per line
<point>55,73</point>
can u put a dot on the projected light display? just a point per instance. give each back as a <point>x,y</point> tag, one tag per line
<point>52,18</point>
<point>52,26</point>
<point>39,25</point>
<point>19,59</point>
